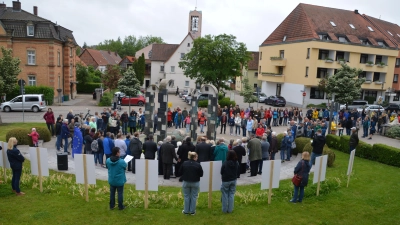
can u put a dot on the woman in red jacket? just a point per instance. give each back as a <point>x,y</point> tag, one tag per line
<point>50,121</point>
<point>260,131</point>
<point>169,117</point>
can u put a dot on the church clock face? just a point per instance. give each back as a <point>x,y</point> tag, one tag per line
<point>195,23</point>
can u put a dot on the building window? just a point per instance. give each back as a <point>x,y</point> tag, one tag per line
<point>342,39</point>
<point>364,42</point>
<point>315,93</point>
<point>260,55</point>
<point>376,76</point>
<point>395,78</point>
<point>371,94</point>
<point>255,85</point>
<point>382,43</point>
<point>323,54</point>
<point>31,80</point>
<point>396,97</point>
<point>352,26</point>
<point>256,74</point>
<point>30,30</point>
<point>161,68</point>
<point>70,70</point>
<point>339,55</point>
<point>182,55</point>
<point>187,83</point>
<point>278,89</point>
<point>363,58</point>
<point>172,69</point>
<point>188,44</point>
<point>308,53</point>
<point>378,59</point>
<point>284,38</point>
<point>31,57</point>
<point>322,73</point>
<point>306,71</point>
<point>280,70</point>
<point>58,59</point>
<point>370,28</point>
<point>363,74</point>
<point>398,62</point>
<point>260,70</point>
<point>282,54</point>
<point>324,37</point>
<point>70,52</point>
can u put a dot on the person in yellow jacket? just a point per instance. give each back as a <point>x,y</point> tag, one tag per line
<point>315,115</point>
<point>333,128</point>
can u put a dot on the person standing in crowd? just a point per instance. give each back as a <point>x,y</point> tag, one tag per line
<point>244,125</point>
<point>231,123</point>
<point>240,152</point>
<point>58,133</point>
<point>260,130</point>
<point>372,128</point>
<point>249,126</point>
<point>50,121</point>
<point>132,122</point>
<point>169,118</point>
<point>77,141</point>
<point>150,148</point>
<point>16,160</point>
<point>202,121</point>
<point>353,139</point>
<point>106,145</point>
<point>220,151</point>
<point>135,146</point>
<point>105,115</point>
<point>229,173</point>
<point>224,121</point>
<point>178,119</point>
<point>264,151</point>
<point>183,151</point>
<point>284,145</point>
<point>70,116</point>
<point>191,172</point>
<point>187,123</point>
<point>167,152</point>
<point>88,143</point>
<point>120,143</point>
<point>273,146</point>
<point>238,124</point>
<point>204,151</point>
<point>366,125</point>
<point>255,154</point>
<point>116,177</point>
<point>302,169</point>
<point>318,144</point>
<point>65,134</point>
<point>96,149</point>
<point>93,124</point>
<point>290,141</point>
<point>124,121</point>
<point>35,137</point>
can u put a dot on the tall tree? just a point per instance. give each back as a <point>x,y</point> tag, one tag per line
<point>112,76</point>
<point>129,84</point>
<point>345,85</point>
<point>9,70</point>
<point>141,67</point>
<point>84,45</point>
<point>247,92</point>
<point>82,74</point>
<point>215,60</point>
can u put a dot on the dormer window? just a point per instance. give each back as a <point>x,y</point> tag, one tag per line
<point>342,39</point>
<point>370,28</point>
<point>332,23</point>
<point>324,37</point>
<point>364,42</point>
<point>284,38</point>
<point>382,43</point>
<point>30,30</point>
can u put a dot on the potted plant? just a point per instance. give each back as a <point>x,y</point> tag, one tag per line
<point>341,60</point>
<point>367,81</point>
<point>276,58</point>
<point>378,82</point>
<point>329,60</point>
<point>381,64</point>
<point>370,63</point>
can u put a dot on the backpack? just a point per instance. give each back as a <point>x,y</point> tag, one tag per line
<point>94,146</point>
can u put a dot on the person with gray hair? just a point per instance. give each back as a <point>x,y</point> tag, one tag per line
<point>220,150</point>
<point>65,134</point>
<point>265,152</point>
<point>240,152</point>
<point>167,152</point>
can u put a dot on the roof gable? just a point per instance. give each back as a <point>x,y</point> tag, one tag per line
<point>128,59</point>
<point>253,63</point>
<point>162,52</point>
<point>189,35</point>
<point>112,58</point>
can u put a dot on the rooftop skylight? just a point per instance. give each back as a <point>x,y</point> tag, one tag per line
<point>333,24</point>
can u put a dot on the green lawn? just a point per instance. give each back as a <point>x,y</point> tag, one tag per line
<point>5,127</point>
<point>372,198</point>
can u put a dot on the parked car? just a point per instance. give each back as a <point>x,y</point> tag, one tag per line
<point>371,108</point>
<point>356,104</point>
<point>393,107</point>
<point>261,96</point>
<point>275,100</point>
<point>183,92</point>
<point>136,100</point>
<point>199,98</point>
<point>34,102</point>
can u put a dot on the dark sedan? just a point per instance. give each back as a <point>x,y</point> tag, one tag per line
<point>275,100</point>
<point>393,107</point>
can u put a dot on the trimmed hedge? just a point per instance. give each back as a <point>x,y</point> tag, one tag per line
<point>308,148</point>
<point>279,137</point>
<point>331,155</point>
<point>300,143</point>
<point>22,135</point>
<point>87,88</point>
<point>202,103</point>
<point>226,102</point>
<point>47,92</point>
<point>378,152</point>
<point>106,99</point>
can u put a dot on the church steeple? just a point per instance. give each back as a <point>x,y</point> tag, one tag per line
<point>195,23</point>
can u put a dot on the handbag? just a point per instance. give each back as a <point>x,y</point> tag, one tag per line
<point>296,180</point>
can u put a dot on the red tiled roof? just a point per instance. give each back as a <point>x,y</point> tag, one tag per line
<point>162,52</point>
<point>79,61</point>
<point>386,27</point>
<point>306,21</point>
<point>112,57</point>
<point>104,58</point>
<point>129,58</point>
<point>253,63</point>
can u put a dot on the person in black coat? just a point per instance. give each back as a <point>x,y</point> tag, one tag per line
<point>135,146</point>
<point>150,148</point>
<point>88,142</point>
<point>302,169</point>
<point>58,133</point>
<point>203,151</point>
<point>167,152</point>
<point>16,159</point>
<point>191,173</point>
<point>183,152</point>
<point>229,171</point>
<point>240,152</point>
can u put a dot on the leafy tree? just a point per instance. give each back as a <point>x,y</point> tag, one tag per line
<point>247,92</point>
<point>9,70</point>
<point>129,84</point>
<point>345,85</point>
<point>215,60</point>
<point>84,45</point>
<point>112,76</point>
<point>140,68</point>
<point>82,74</point>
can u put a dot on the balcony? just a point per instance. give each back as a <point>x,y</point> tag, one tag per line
<point>272,77</point>
<point>278,61</point>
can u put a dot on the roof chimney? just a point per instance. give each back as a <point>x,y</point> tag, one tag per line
<point>356,11</point>
<point>3,5</point>
<point>16,6</point>
<point>35,10</point>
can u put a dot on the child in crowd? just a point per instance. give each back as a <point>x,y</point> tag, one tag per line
<point>35,137</point>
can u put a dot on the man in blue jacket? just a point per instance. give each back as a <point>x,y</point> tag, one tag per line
<point>65,134</point>
<point>106,145</point>
<point>116,177</point>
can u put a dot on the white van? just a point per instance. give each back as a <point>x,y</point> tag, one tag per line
<point>34,102</point>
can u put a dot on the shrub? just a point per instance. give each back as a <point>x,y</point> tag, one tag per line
<point>386,154</point>
<point>22,135</point>
<point>47,92</point>
<point>331,155</point>
<point>344,143</point>
<point>106,99</point>
<point>300,143</point>
<point>88,88</point>
<point>393,132</point>
<point>202,103</point>
<point>226,102</point>
<point>333,141</point>
<point>279,137</point>
<point>308,148</point>
<point>369,99</point>
<point>221,96</point>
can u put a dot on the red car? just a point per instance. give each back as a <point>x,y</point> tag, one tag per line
<point>138,100</point>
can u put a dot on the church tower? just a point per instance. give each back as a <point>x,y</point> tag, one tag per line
<point>195,23</point>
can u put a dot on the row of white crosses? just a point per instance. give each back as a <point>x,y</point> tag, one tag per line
<point>148,181</point>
